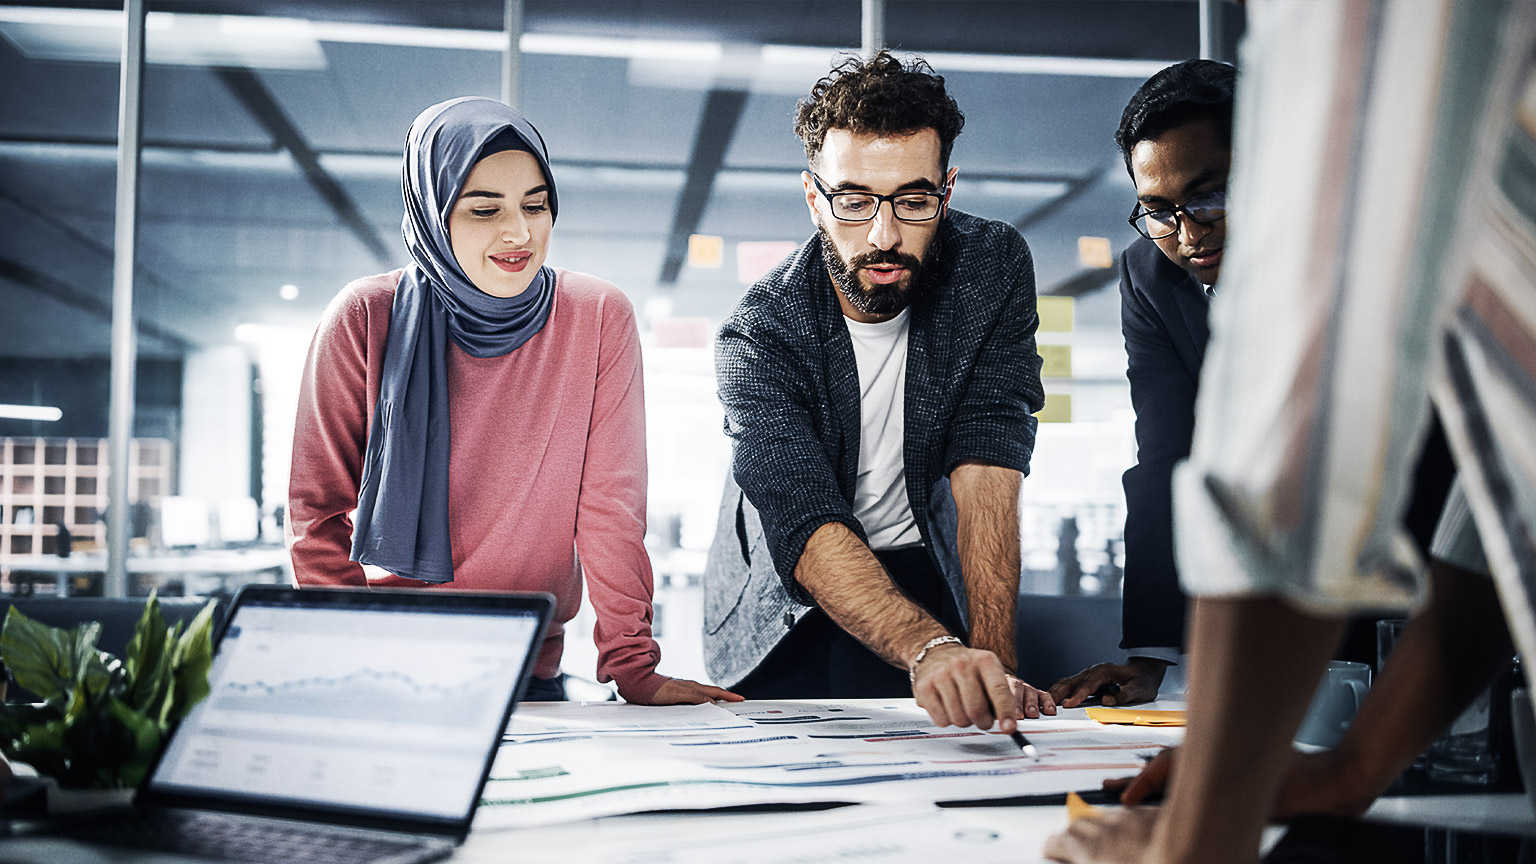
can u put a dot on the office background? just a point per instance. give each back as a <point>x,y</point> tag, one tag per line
<point>272,132</point>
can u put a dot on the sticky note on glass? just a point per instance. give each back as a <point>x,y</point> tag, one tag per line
<point>1077,808</point>
<point>1095,253</point>
<point>754,258</point>
<point>705,250</point>
<point>1133,717</point>
<point>1058,408</point>
<point>1055,361</point>
<point>1055,314</point>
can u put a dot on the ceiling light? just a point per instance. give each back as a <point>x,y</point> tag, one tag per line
<point>294,43</point>
<point>45,413</point>
<point>1083,67</point>
<point>177,39</point>
<point>289,292</point>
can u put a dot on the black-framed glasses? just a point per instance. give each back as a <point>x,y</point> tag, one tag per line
<point>1164,221</point>
<point>862,206</point>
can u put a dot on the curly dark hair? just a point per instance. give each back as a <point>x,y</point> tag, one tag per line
<point>879,96</point>
<point>1179,94</point>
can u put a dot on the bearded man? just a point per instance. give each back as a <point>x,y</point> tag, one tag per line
<point>879,389</point>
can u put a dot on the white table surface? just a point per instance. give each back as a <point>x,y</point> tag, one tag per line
<point>972,835</point>
<point>868,834</point>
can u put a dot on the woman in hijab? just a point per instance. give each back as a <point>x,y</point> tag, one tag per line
<point>482,413</point>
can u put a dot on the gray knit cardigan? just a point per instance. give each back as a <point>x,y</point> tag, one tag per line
<point>786,376</point>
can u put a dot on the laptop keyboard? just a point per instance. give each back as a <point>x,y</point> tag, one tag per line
<point>236,839</point>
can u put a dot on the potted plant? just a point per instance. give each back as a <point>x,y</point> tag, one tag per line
<point>102,718</point>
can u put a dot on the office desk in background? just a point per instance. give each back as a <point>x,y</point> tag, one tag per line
<point>214,568</point>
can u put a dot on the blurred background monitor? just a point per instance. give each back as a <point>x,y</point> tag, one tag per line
<point>183,521</point>
<point>239,521</point>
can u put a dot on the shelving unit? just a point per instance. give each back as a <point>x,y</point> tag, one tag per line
<point>47,482</point>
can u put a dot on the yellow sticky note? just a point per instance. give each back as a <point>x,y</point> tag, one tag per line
<point>1135,717</point>
<point>1056,361</point>
<point>1077,808</point>
<point>705,250</point>
<point>1058,408</point>
<point>1095,253</point>
<point>1055,314</point>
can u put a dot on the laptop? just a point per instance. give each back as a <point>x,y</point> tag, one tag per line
<point>342,725</point>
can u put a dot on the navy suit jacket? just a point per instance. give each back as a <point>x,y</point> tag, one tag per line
<point>1163,315</point>
<point>1163,312</point>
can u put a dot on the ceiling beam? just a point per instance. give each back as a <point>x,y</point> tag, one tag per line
<point>262,105</point>
<point>1085,281</point>
<point>717,126</point>
<point>109,142</point>
<point>56,289</point>
<point>1075,189</point>
<point>103,250</point>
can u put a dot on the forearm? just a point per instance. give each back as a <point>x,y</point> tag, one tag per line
<point>987,502</point>
<point>321,552</point>
<point>846,580</point>
<point>1446,655</point>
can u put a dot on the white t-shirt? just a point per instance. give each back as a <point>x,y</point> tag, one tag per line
<point>880,496</point>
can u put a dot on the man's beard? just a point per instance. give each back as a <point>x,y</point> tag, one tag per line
<point>874,298</point>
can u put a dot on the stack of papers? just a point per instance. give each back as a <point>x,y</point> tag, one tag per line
<point>563,761</point>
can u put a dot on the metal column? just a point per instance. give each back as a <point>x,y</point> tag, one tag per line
<point>512,56</point>
<point>124,350</point>
<point>1210,30</point>
<point>872,29</point>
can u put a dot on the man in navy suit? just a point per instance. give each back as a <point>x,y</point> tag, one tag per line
<point>1176,138</point>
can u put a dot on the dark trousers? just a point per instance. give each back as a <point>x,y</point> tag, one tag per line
<point>545,689</point>
<point>819,660</point>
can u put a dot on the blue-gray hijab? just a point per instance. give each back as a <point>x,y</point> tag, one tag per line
<point>402,502</point>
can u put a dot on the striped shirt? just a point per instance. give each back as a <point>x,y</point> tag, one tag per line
<point>1383,249</point>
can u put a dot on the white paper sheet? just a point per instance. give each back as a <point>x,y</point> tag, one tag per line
<point>867,834</point>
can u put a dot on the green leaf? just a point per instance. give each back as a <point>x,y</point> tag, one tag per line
<point>42,747</point>
<point>146,659</point>
<point>194,657</point>
<point>41,658</point>
<point>144,739</point>
<point>104,718</point>
<point>91,669</point>
<point>78,706</point>
<point>159,706</point>
<point>15,717</point>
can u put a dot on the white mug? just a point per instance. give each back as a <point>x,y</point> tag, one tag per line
<point>1524,726</point>
<point>1334,704</point>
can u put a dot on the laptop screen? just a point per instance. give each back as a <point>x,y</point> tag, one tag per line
<point>376,706</point>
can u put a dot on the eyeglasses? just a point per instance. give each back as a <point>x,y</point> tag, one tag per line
<point>862,206</point>
<point>1164,221</point>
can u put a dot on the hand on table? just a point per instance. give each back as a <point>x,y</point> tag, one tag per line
<point>681,691</point>
<point>1117,837</point>
<point>961,686</point>
<point>1134,681</point>
<point>1153,779</point>
<point>1315,784</point>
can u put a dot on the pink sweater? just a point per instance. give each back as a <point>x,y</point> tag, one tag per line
<point>547,460</point>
